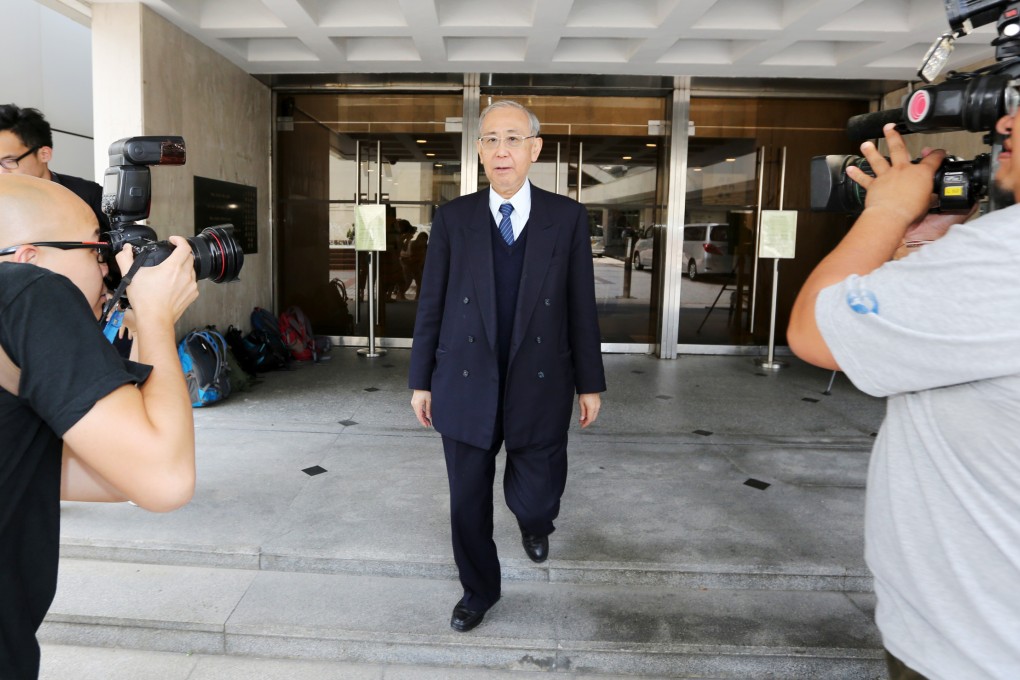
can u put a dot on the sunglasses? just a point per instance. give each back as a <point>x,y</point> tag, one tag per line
<point>102,249</point>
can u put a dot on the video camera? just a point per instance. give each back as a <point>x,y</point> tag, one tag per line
<point>972,101</point>
<point>127,195</point>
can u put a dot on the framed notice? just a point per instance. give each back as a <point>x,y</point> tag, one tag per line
<point>370,227</point>
<point>218,203</point>
<point>778,234</point>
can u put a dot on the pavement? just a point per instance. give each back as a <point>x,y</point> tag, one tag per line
<point>711,527</point>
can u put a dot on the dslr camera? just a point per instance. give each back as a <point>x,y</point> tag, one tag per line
<point>972,101</point>
<point>127,196</point>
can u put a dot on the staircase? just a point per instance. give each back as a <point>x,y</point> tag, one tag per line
<point>665,563</point>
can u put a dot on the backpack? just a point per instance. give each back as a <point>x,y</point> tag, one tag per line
<point>342,312</point>
<point>241,377</point>
<point>203,356</point>
<point>296,330</point>
<point>253,351</point>
<point>266,328</point>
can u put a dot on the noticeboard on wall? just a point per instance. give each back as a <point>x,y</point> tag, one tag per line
<point>218,202</point>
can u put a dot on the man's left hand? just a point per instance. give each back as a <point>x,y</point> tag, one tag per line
<point>590,405</point>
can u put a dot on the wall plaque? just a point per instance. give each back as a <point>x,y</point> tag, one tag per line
<point>218,202</point>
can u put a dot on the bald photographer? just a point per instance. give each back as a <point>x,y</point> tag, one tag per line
<point>78,422</point>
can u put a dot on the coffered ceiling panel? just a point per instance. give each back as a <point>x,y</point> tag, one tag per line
<point>826,39</point>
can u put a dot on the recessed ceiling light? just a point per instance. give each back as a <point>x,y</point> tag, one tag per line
<point>423,141</point>
<point>696,169</point>
<point>730,160</point>
<point>430,155</point>
<point>439,165</point>
<point>627,158</point>
<point>650,145</point>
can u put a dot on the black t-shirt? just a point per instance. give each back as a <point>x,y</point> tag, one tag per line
<point>88,191</point>
<point>48,330</point>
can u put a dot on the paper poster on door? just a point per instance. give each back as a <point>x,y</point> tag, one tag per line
<point>370,227</point>
<point>778,234</point>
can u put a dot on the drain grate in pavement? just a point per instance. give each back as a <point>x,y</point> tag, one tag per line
<point>314,470</point>
<point>757,484</point>
<point>703,433</point>
<point>348,423</point>
<point>371,389</point>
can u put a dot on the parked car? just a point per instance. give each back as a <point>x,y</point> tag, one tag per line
<point>598,241</point>
<point>706,249</point>
<point>642,255</point>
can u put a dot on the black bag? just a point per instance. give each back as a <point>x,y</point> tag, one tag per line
<point>343,320</point>
<point>254,351</point>
<point>265,329</point>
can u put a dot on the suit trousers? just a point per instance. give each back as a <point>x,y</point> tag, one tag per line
<point>533,483</point>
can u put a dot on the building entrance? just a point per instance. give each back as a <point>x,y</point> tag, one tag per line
<point>672,219</point>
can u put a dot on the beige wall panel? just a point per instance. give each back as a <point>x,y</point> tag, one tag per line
<point>160,81</point>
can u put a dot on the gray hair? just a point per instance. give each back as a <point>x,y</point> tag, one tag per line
<point>511,104</point>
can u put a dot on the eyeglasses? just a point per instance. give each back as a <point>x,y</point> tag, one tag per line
<point>12,163</point>
<point>512,141</point>
<point>102,249</point>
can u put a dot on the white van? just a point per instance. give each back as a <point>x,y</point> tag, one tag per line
<point>707,249</point>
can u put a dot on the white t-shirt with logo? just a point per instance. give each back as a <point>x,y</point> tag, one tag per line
<point>938,333</point>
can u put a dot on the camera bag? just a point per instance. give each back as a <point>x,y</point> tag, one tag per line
<point>203,356</point>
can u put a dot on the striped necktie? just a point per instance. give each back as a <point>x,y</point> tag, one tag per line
<point>506,229</point>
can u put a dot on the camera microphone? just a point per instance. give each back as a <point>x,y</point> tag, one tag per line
<point>869,125</point>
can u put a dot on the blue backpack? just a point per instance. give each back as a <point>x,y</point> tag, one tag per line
<point>203,356</point>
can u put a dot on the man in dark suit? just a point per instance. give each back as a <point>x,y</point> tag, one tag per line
<point>506,331</point>
<point>26,148</point>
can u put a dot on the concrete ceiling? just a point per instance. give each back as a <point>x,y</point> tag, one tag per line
<point>827,39</point>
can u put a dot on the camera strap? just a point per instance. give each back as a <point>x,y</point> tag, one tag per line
<point>125,281</point>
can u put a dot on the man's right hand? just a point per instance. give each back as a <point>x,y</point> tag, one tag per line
<point>162,292</point>
<point>421,402</point>
<point>900,189</point>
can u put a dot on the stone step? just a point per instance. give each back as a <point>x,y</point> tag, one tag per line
<point>634,513</point>
<point>60,662</point>
<point>563,627</point>
<point>717,574</point>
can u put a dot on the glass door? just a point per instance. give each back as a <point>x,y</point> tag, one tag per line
<point>402,151</point>
<point>725,179</point>
<point>745,155</point>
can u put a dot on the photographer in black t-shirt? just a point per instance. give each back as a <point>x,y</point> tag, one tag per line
<point>78,422</point>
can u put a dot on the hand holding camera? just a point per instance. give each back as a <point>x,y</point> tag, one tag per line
<point>161,293</point>
<point>899,186</point>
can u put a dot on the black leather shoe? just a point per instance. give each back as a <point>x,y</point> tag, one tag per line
<point>537,547</point>
<point>464,619</point>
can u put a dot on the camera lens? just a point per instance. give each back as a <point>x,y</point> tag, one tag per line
<point>218,255</point>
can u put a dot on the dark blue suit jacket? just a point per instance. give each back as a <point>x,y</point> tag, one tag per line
<point>556,346</point>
